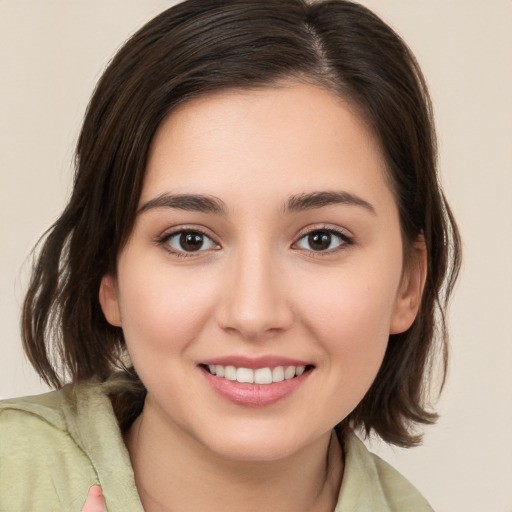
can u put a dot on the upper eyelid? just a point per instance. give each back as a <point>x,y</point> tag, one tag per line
<point>171,232</point>
<point>166,236</point>
<point>336,230</point>
<point>347,240</point>
<point>343,232</point>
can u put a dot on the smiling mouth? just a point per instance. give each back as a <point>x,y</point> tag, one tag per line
<point>266,375</point>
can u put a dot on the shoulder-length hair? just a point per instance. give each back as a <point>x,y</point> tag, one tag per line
<point>193,49</point>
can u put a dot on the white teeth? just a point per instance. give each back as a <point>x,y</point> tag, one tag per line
<point>278,374</point>
<point>289,372</point>
<point>245,375</point>
<point>259,376</point>
<point>230,372</point>
<point>263,376</point>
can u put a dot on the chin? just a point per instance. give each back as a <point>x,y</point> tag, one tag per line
<point>254,452</point>
<point>258,444</point>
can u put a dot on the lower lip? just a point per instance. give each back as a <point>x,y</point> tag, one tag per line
<point>254,395</point>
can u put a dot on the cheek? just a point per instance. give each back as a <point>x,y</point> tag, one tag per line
<point>163,311</point>
<point>348,315</point>
<point>352,304</point>
<point>351,329</point>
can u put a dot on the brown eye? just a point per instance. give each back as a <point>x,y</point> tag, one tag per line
<point>191,241</point>
<point>319,241</point>
<point>188,241</point>
<point>322,240</point>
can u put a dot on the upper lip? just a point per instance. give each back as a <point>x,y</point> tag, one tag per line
<point>268,361</point>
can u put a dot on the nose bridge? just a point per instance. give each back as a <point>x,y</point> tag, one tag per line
<point>255,302</point>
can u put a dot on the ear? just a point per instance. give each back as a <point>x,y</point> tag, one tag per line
<point>408,300</point>
<point>109,300</point>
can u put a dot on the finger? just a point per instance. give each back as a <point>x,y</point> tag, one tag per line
<point>94,501</point>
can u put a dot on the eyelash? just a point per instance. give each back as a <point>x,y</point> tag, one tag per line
<point>163,241</point>
<point>344,240</point>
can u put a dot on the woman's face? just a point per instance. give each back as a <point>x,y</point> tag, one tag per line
<point>267,247</point>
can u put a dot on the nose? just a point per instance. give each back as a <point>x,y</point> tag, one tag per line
<point>255,303</point>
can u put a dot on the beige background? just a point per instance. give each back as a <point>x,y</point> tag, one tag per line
<point>53,51</point>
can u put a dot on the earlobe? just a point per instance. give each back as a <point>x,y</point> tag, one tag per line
<point>408,300</point>
<point>108,296</point>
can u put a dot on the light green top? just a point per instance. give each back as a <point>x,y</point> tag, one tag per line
<point>53,447</point>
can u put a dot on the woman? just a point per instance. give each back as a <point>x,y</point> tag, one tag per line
<point>249,267</point>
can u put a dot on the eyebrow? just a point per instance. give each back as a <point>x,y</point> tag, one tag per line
<point>190,202</point>
<point>315,200</point>
<point>210,204</point>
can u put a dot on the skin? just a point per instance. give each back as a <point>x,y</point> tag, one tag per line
<point>258,288</point>
<point>95,501</point>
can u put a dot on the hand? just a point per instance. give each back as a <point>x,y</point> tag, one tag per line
<point>94,501</point>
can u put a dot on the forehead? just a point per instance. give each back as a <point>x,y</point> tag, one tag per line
<point>294,138</point>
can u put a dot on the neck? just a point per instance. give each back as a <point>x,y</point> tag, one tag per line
<point>176,473</point>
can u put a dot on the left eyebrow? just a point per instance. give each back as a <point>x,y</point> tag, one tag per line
<point>191,202</point>
<point>320,199</point>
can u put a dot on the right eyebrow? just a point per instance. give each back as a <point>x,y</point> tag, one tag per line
<point>321,199</point>
<point>190,202</point>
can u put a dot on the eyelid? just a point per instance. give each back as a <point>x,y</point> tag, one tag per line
<point>346,238</point>
<point>163,239</point>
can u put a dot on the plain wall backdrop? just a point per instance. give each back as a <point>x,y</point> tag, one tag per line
<point>53,51</point>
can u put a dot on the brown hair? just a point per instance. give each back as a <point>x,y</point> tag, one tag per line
<point>195,48</point>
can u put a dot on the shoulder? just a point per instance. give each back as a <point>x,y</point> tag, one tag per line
<point>54,447</point>
<point>371,485</point>
<point>40,408</point>
<point>42,464</point>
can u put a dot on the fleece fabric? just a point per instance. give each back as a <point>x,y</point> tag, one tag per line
<point>54,447</point>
